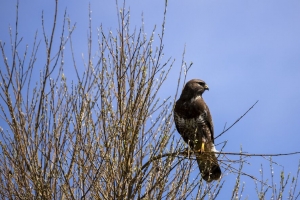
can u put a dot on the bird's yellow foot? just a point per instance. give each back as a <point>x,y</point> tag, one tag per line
<point>202,147</point>
<point>201,150</point>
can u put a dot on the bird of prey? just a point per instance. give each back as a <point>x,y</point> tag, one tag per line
<point>194,123</point>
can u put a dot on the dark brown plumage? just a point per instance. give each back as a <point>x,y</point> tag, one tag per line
<point>194,123</point>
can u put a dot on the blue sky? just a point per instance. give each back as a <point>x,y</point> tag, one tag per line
<point>245,51</point>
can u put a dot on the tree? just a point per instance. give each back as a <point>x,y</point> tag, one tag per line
<point>104,134</point>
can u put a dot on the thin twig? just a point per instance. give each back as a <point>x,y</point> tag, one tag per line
<point>186,152</point>
<point>237,120</point>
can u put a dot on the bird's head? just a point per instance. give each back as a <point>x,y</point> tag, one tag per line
<point>193,88</point>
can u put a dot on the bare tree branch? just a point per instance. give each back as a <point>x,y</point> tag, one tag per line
<point>236,120</point>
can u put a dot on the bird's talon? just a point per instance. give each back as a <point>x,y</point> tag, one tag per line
<point>202,148</point>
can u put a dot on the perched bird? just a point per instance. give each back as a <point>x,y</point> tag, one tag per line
<point>194,123</point>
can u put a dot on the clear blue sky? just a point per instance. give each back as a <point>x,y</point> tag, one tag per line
<point>245,51</point>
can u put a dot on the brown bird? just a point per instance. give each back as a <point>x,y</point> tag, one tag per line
<point>194,123</point>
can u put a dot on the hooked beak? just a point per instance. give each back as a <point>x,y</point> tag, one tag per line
<point>206,87</point>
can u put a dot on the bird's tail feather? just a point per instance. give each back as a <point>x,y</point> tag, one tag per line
<point>209,167</point>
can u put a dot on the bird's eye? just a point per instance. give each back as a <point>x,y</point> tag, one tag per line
<point>201,83</point>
